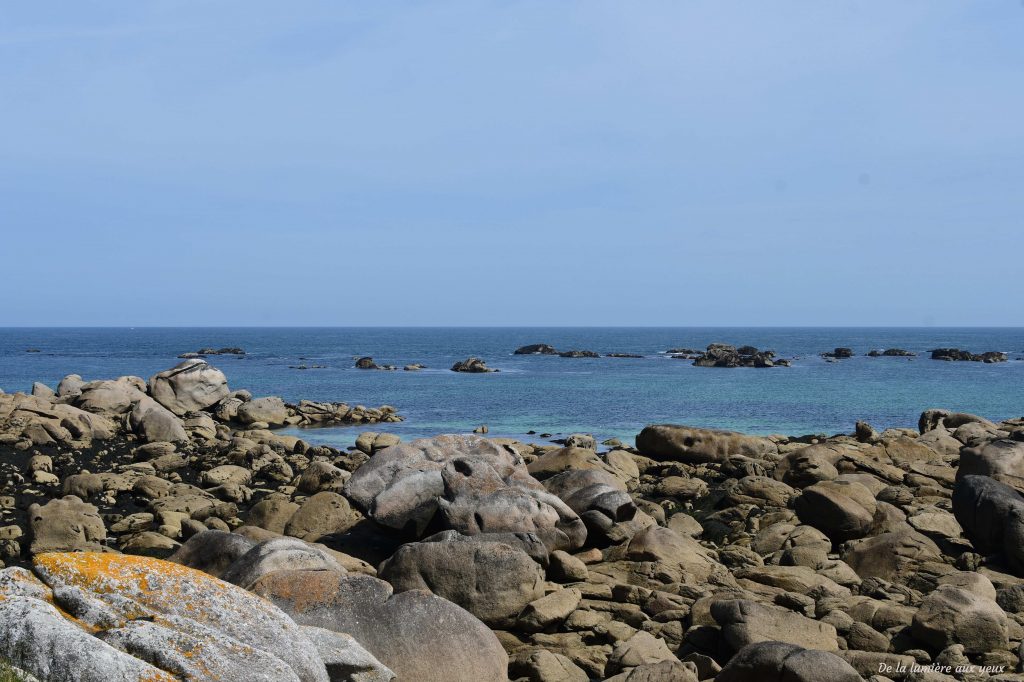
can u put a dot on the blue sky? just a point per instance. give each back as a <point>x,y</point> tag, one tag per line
<point>512,163</point>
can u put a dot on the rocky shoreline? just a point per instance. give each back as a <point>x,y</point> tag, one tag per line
<point>162,529</point>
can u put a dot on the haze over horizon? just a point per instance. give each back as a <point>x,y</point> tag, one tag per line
<point>512,164</point>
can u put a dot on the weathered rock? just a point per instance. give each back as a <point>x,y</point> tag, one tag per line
<point>419,636</point>
<point>475,485</point>
<point>992,517</point>
<point>952,615</point>
<point>272,514</point>
<point>549,610</point>
<point>153,588</point>
<point>1002,460</point>
<point>190,385</point>
<point>154,423</point>
<point>660,544</point>
<point>212,551</point>
<point>111,397</point>
<point>322,514</point>
<point>779,661</point>
<point>270,410</point>
<point>38,639</point>
<point>345,658</point>
<point>894,556</point>
<point>596,496</point>
<point>279,554</point>
<point>671,442</point>
<point>491,580</point>
<point>65,525</point>
<point>841,509</point>
<point>746,622</point>
<point>545,666</point>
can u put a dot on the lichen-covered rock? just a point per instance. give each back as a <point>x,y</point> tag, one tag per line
<point>672,442</point>
<point>38,639</point>
<point>418,635</point>
<point>65,525</point>
<point>141,587</point>
<point>190,385</point>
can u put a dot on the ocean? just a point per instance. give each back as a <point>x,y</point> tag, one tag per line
<point>608,397</point>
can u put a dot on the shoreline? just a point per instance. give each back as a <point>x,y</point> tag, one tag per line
<point>679,553</point>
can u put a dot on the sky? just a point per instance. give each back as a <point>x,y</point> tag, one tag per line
<point>244,162</point>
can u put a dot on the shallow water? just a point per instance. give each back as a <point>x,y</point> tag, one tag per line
<point>605,396</point>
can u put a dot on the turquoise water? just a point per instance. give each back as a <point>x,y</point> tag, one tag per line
<point>605,396</point>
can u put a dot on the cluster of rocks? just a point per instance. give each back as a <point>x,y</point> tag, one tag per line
<point>955,354</point>
<point>238,553</point>
<point>473,366</point>
<point>546,349</point>
<point>367,362</point>
<point>725,355</point>
<point>890,353</point>
<point>203,352</point>
<point>841,353</point>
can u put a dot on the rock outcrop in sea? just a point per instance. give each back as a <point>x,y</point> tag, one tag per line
<point>163,530</point>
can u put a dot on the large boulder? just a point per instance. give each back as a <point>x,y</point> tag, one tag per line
<point>154,423</point>
<point>992,517</point>
<point>842,510</point>
<point>112,397</point>
<point>786,662</point>
<point>191,385</point>
<point>278,554</point>
<point>952,615</point>
<point>166,611</point>
<point>212,551</point>
<point>270,410</point>
<point>894,556</point>
<point>596,496</point>
<point>65,525</point>
<point>746,622</point>
<point>671,442</point>
<point>37,638</point>
<point>472,485</point>
<point>1001,459</point>
<point>663,545</point>
<point>491,580</point>
<point>809,465</point>
<point>418,635</point>
<point>322,514</point>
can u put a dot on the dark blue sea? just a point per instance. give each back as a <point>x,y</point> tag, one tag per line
<point>605,396</point>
